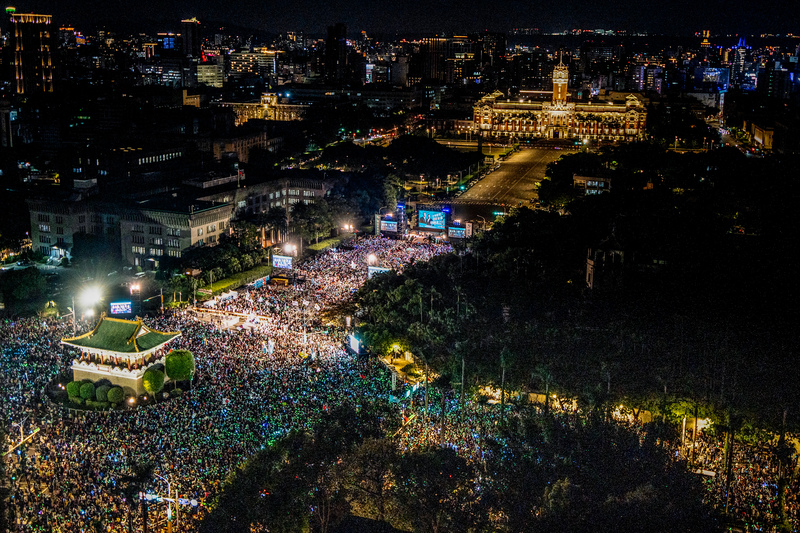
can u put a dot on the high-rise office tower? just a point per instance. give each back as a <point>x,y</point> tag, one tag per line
<point>398,71</point>
<point>738,62</point>
<point>435,51</point>
<point>6,139</point>
<point>705,44</point>
<point>491,47</point>
<point>336,53</point>
<point>31,40</point>
<point>190,32</point>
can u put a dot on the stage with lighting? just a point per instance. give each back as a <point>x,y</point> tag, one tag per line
<point>119,351</point>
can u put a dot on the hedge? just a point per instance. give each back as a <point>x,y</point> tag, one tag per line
<point>74,389</point>
<point>101,393</point>
<point>116,395</point>
<point>87,391</point>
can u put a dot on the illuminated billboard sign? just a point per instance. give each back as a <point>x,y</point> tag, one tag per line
<point>281,261</point>
<point>389,225</point>
<point>121,308</point>
<point>371,271</point>
<point>431,220</point>
<point>457,232</point>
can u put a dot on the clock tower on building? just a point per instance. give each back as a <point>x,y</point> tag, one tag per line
<point>560,81</point>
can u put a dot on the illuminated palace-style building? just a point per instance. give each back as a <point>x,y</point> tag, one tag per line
<point>526,117</point>
<point>119,351</point>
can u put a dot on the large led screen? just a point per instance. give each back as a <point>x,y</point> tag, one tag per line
<point>389,225</point>
<point>431,220</point>
<point>457,232</point>
<point>121,308</point>
<point>281,261</point>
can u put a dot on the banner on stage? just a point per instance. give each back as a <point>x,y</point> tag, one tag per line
<point>372,270</point>
<point>281,261</point>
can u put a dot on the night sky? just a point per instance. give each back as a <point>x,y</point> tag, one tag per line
<point>436,16</point>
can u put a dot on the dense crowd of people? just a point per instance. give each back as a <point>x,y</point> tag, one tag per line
<point>253,385</point>
<point>332,277</point>
<point>753,494</point>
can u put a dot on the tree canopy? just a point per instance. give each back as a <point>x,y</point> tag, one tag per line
<point>153,380</point>
<point>687,323</point>
<point>21,285</point>
<point>179,365</point>
<point>541,472</point>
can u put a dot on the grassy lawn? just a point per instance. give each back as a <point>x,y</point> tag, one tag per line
<point>329,243</point>
<point>237,280</point>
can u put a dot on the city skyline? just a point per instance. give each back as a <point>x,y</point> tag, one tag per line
<point>313,16</point>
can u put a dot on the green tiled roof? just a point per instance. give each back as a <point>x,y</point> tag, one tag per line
<point>122,336</point>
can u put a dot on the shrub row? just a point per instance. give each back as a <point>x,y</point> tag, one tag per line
<point>96,396</point>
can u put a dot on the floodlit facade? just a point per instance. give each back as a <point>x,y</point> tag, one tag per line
<point>526,117</point>
<point>119,351</point>
<point>271,107</point>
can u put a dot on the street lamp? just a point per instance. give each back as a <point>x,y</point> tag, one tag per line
<point>372,259</point>
<point>90,296</point>
<point>21,426</point>
<point>169,503</point>
<point>136,292</point>
<point>74,330</point>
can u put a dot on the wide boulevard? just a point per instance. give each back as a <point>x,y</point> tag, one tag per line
<point>514,182</point>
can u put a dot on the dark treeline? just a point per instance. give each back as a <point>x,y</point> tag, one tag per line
<point>702,307</point>
<point>539,473</point>
<point>709,331</point>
